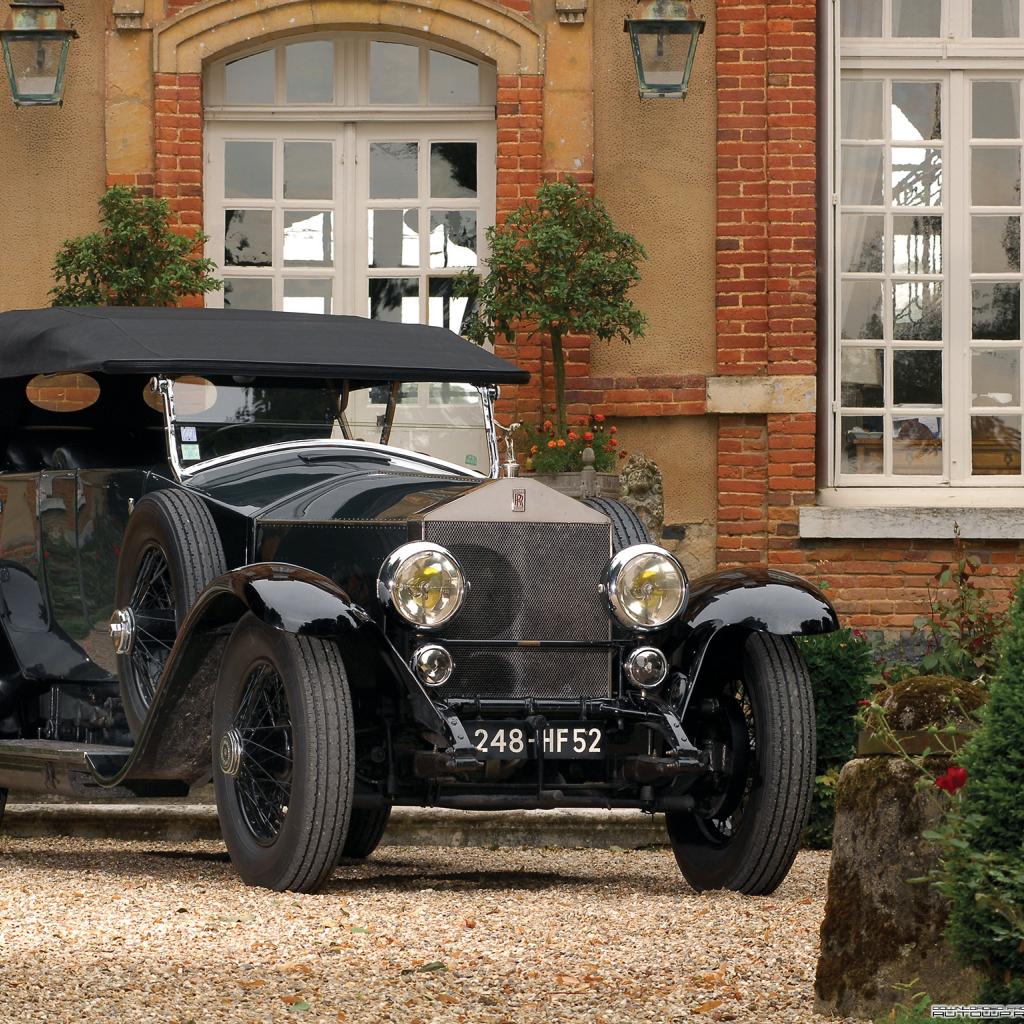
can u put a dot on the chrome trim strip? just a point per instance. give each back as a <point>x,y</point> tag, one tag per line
<point>488,396</point>
<point>164,386</point>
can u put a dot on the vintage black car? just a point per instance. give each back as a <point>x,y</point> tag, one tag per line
<point>279,551</point>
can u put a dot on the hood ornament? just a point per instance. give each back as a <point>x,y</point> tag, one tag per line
<point>509,467</point>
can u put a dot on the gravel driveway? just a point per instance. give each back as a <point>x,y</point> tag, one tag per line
<point>93,930</point>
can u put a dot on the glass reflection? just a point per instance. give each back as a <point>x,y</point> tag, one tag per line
<point>453,81</point>
<point>393,170</point>
<point>862,310</point>
<point>916,176</point>
<point>308,238</point>
<point>248,169</point>
<point>248,238</point>
<point>917,445</point>
<point>862,175</point>
<point>452,238</point>
<point>917,311</point>
<point>917,245</point>
<point>452,170</point>
<point>995,110</point>
<point>917,377</point>
<point>862,440</point>
<point>395,299</point>
<point>308,170</point>
<point>250,80</point>
<point>307,295</point>
<point>393,238</point>
<point>862,109</point>
<point>863,380</point>
<point>995,176</point>
<point>248,293</point>
<point>916,111</point>
<point>394,73</point>
<point>995,311</point>
<point>309,71</point>
<point>920,19</point>
<point>444,307</point>
<point>995,244</point>
<point>995,377</point>
<point>860,19</point>
<point>995,445</point>
<point>995,19</point>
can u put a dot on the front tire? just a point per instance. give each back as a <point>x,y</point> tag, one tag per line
<point>365,831</point>
<point>283,766</point>
<point>745,831</point>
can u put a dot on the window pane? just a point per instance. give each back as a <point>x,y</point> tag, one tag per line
<point>916,111</point>
<point>248,293</point>
<point>308,170</point>
<point>995,110</point>
<point>860,18</point>
<point>917,245</point>
<point>393,170</point>
<point>995,244</point>
<point>862,110</point>
<point>862,175</point>
<point>452,170</point>
<point>394,73</point>
<point>917,445</point>
<point>995,312</point>
<point>995,445</point>
<point>444,308</point>
<point>917,311</point>
<point>863,381</point>
<point>393,237</point>
<point>862,439</point>
<point>862,309</point>
<point>307,295</point>
<point>916,176</point>
<point>994,19</point>
<point>916,18</point>
<point>309,72</point>
<point>251,79</point>
<point>995,176</point>
<point>249,170</point>
<point>308,238</point>
<point>248,238</point>
<point>995,377</point>
<point>453,81</point>
<point>395,299</point>
<point>452,238</point>
<point>917,377</point>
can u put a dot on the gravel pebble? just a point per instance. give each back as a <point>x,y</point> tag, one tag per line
<point>96,930</point>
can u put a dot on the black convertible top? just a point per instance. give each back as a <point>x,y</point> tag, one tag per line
<point>134,340</point>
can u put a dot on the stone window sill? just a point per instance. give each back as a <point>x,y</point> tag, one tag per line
<point>822,523</point>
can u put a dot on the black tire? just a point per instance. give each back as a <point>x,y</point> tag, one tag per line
<point>365,831</point>
<point>627,527</point>
<point>284,813</point>
<point>750,841</point>
<point>171,539</point>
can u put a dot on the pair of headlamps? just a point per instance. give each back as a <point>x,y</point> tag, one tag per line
<point>645,586</point>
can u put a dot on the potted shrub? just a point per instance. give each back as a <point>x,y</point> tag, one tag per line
<point>558,267</point>
<point>582,464</point>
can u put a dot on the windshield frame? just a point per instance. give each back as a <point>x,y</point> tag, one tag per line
<point>164,387</point>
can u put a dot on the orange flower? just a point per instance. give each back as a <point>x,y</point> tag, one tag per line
<point>533,449</point>
<point>561,442</point>
<point>613,443</point>
<point>599,417</point>
<point>547,425</point>
<point>573,436</point>
<point>551,444</point>
<point>588,436</point>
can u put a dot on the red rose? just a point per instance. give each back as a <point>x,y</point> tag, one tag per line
<point>954,779</point>
<point>547,425</point>
<point>588,435</point>
<point>613,430</point>
<point>613,443</point>
<point>599,417</point>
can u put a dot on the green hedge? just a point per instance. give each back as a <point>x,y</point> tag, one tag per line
<point>840,665</point>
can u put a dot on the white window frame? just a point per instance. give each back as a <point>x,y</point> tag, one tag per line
<point>952,52</point>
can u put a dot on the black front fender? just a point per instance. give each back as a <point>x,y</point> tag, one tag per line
<point>755,600</point>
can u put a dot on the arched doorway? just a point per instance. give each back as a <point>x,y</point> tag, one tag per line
<point>349,172</point>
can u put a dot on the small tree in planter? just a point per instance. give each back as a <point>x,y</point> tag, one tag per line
<point>135,259</point>
<point>558,266</point>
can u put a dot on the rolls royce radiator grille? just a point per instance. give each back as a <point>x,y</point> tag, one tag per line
<point>529,581</point>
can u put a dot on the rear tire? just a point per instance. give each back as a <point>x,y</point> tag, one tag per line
<point>365,831</point>
<point>283,707</point>
<point>171,551</point>
<point>745,831</point>
<point>627,527</point>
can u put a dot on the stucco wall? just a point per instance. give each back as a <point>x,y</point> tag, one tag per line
<point>51,166</point>
<point>654,167</point>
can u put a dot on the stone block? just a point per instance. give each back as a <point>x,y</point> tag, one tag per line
<point>742,395</point>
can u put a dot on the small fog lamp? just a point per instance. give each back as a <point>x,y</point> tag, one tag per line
<point>646,668</point>
<point>433,664</point>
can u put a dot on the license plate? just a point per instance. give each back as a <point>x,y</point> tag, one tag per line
<point>511,740</point>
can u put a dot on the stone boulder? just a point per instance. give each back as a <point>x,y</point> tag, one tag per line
<point>880,930</point>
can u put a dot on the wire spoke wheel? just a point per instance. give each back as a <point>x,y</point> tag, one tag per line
<point>263,724</point>
<point>152,601</point>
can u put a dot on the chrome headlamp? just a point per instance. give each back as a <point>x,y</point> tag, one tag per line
<point>646,587</point>
<point>423,583</point>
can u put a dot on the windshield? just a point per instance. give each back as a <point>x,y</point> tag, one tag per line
<point>443,421</point>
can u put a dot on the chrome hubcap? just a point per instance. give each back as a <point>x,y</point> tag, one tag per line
<point>122,630</point>
<point>231,752</point>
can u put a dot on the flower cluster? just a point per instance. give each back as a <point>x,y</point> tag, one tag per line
<point>547,452</point>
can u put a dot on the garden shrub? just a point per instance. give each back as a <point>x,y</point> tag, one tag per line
<point>984,864</point>
<point>840,664</point>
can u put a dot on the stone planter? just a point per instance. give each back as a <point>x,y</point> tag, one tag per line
<point>582,484</point>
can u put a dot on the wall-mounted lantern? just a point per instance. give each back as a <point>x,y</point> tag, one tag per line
<point>664,35</point>
<point>35,42</point>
